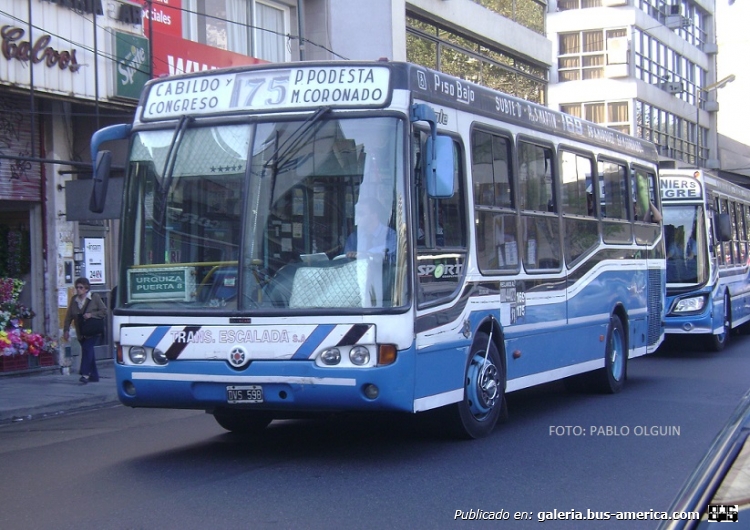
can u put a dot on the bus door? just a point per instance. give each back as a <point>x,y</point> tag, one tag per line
<point>647,232</point>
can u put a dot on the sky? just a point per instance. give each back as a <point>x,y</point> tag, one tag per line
<point>733,38</point>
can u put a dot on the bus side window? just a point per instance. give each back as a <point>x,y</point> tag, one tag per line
<point>613,202</point>
<point>644,197</point>
<point>496,229</point>
<point>581,228</point>
<point>540,226</point>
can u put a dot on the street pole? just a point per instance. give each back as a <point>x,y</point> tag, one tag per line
<point>710,88</point>
<point>697,125</point>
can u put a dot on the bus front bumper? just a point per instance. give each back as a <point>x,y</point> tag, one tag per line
<point>285,386</point>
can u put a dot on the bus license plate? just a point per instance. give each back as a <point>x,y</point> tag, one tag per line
<point>245,394</point>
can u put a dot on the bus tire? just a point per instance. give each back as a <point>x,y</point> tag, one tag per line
<point>242,421</point>
<point>483,404</point>
<point>716,343</point>
<point>611,378</point>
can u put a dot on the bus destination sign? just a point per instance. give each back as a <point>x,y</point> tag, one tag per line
<point>173,283</point>
<point>269,89</point>
<point>677,187</point>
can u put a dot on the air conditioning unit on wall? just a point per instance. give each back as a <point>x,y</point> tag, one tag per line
<point>677,21</point>
<point>673,87</point>
<point>614,3</point>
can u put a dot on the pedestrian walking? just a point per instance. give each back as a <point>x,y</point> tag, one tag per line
<point>86,311</point>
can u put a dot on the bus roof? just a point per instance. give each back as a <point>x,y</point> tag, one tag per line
<point>345,84</point>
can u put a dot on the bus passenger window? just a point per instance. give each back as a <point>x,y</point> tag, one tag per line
<point>535,178</point>
<point>577,185</point>
<point>644,199</point>
<point>540,227</point>
<point>496,229</point>
<point>613,202</point>
<point>579,212</point>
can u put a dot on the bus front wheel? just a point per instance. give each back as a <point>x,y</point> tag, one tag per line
<point>242,421</point>
<point>716,343</point>
<point>484,392</point>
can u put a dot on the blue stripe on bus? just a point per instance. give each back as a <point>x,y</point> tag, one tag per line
<point>156,336</point>
<point>313,341</point>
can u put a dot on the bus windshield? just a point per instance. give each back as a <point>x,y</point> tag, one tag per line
<point>687,248</point>
<point>268,216</point>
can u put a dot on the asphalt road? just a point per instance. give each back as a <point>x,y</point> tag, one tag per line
<point>124,469</point>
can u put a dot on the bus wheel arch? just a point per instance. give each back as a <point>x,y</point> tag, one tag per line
<point>485,374</point>
<point>611,377</point>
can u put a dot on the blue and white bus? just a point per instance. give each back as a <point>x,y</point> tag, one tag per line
<point>706,222</point>
<point>347,236</point>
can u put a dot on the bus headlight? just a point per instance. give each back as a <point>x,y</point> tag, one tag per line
<point>137,354</point>
<point>331,356</point>
<point>690,305</point>
<point>359,355</point>
<point>159,356</point>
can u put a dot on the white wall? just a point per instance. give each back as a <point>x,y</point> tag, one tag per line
<point>733,38</point>
<point>368,29</point>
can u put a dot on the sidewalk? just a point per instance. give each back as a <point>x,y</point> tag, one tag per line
<point>46,392</point>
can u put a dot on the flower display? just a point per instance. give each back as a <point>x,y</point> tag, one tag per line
<point>50,345</point>
<point>15,340</point>
<point>12,342</point>
<point>11,312</point>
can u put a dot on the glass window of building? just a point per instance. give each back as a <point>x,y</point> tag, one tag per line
<point>675,137</point>
<point>439,48</point>
<point>583,54</point>
<point>249,27</point>
<point>528,13</point>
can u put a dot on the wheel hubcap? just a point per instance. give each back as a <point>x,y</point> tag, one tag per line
<point>616,357</point>
<point>482,386</point>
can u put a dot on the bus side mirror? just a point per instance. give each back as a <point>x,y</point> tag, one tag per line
<point>101,180</point>
<point>724,227</point>
<point>439,167</point>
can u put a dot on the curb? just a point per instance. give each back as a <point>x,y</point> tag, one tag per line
<point>43,392</point>
<point>80,405</point>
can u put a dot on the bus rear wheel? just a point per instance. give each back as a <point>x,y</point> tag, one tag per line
<point>242,421</point>
<point>611,378</point>
<point>476,415</point>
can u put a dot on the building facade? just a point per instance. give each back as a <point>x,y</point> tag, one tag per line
<point>646,67</point>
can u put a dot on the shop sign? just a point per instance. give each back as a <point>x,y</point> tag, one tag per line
<point>173,55</point>
<point>93,248</point>
<point>14,48</point>
<point>88,7</point>
<point>165,17</point>
<point>133,64</point>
